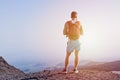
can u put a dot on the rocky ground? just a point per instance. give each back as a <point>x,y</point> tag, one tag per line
<point>82,75</point>
<point>8,72</point>
<point>57,75</point>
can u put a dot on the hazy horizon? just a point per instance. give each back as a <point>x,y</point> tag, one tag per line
<point>32,31</point>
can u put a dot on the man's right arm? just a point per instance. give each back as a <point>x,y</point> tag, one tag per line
<point>65,29</point>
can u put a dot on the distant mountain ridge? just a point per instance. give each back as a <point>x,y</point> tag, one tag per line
<point>108,66</point>
<point>82,63</point>
<point>105,66</point>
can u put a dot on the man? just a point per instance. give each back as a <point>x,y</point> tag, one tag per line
<point>72,30</point>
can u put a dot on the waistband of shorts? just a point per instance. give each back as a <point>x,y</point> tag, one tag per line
<point>73,40</point>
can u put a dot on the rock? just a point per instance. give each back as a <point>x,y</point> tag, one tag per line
<point>82,75</point>
<point>9,72</point>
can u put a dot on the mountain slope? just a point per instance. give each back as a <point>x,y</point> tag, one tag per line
<point>90,71</point>
<point>108,66</point>
<point>7,71</point>
<point>82,75</point>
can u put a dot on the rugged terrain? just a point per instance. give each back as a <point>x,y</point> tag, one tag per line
<point>82,75</point>
<point>92,72</point>
<point>9,72</point>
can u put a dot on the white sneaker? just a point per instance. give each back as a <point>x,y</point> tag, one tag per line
<point>75,71</point>
<point>64,71</point>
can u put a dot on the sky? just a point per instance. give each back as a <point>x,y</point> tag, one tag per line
<point>32,30</point>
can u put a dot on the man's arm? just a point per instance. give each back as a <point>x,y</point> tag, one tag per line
<point>81,30</point>
<point>65,29</point>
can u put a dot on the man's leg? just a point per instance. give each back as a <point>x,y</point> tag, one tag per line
<point>76,59</point>
<point>67,60</point>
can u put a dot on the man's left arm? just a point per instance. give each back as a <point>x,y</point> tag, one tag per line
<point>81,30</point>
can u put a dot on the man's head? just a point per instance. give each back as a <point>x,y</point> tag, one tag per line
<point>73,14</point>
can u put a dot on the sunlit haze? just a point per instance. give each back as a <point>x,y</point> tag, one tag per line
<point>32,30</point>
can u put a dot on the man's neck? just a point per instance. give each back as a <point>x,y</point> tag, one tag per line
<point>74,20</point>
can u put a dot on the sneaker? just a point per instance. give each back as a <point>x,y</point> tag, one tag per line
<point>64,71</point>
<point>75,71</point>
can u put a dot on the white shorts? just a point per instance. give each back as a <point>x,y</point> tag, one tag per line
<point>73,45</point>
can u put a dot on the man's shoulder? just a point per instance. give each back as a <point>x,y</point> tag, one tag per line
<point>68,21</point>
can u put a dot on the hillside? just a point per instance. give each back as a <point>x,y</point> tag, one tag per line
<point>92,71</point>
<point>108,66</point>
<point>89,71</point>
<point>82,75</point>
<point>7,71</point>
